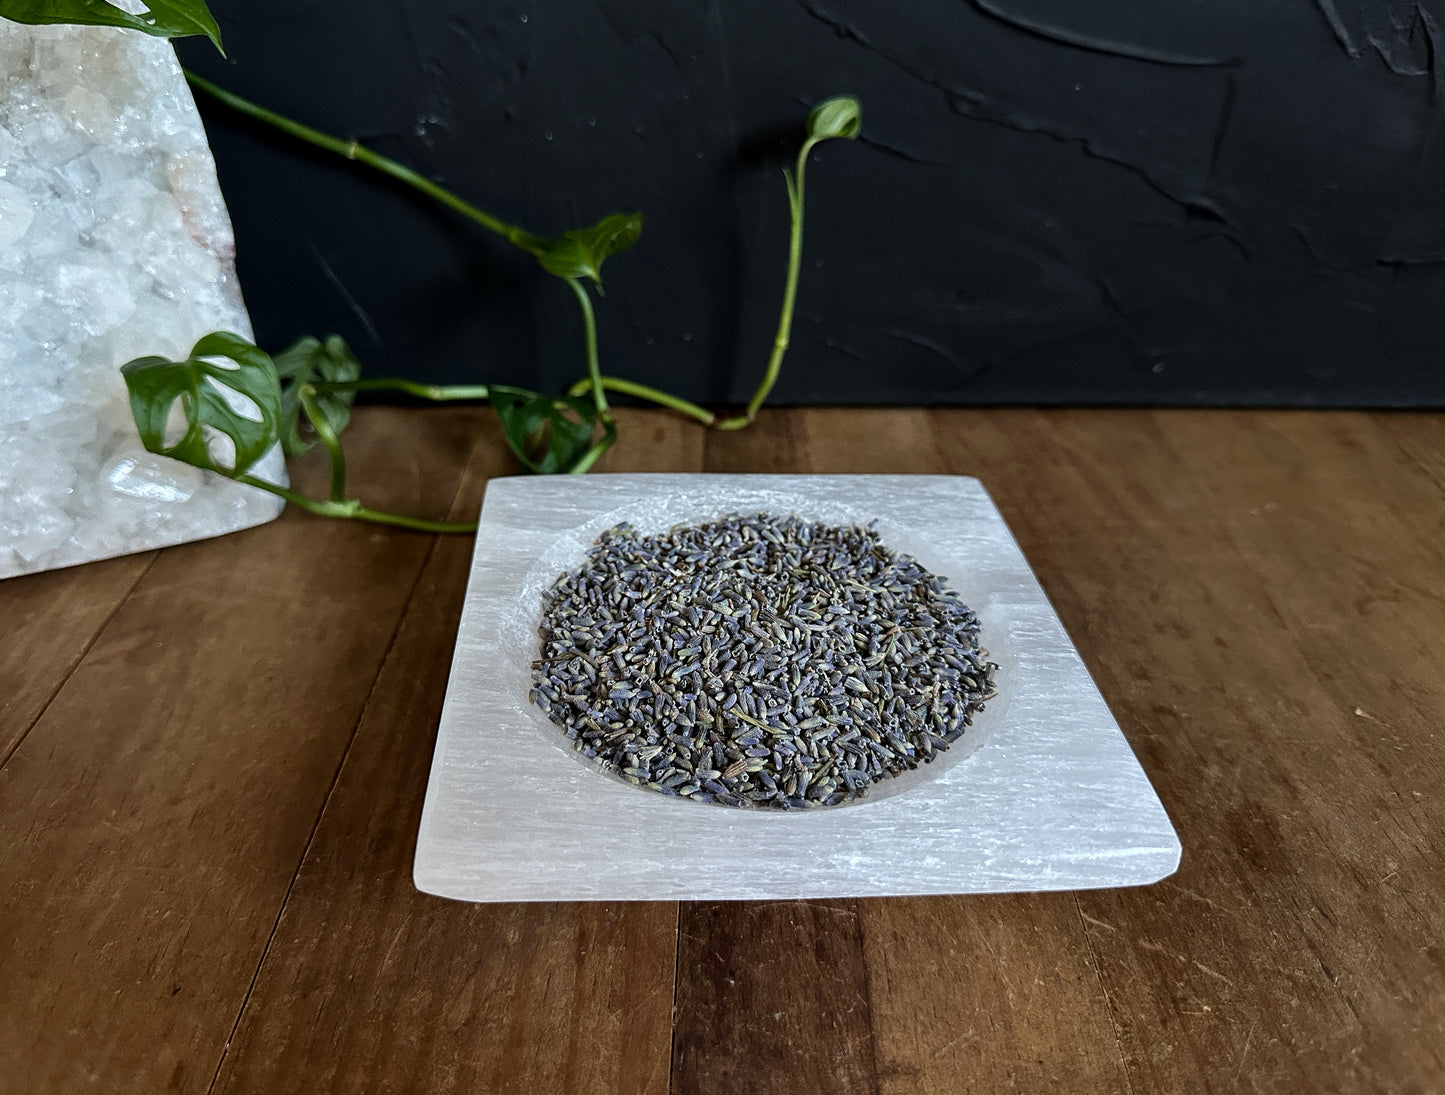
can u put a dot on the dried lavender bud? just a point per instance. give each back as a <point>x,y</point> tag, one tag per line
<point>758,661</point>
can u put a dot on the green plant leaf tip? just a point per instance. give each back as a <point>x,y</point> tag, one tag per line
<point>840,116</point>
<point>161,19</point>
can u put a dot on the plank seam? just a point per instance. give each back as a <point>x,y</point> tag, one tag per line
<point>876,1087</point>
<point>321,813</point>
<point>1108,999</point>
<point>676,980</point>
<point>477,440</point>
<point>89,646</point>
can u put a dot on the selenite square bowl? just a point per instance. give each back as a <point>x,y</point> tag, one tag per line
<point>1041,793</point>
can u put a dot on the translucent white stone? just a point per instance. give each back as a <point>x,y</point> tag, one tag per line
<point>17,212</point>
<point>153,478</point>
<point>1049,798</point>
<point>114,243</point>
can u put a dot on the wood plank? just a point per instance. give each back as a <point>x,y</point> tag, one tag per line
<point>1117,562</point>
<point>1273,959</point>
<point>372,986</point>
<point>987,994</point>
<point>152,821</point>
<point>1418,435</point>
<point>900,995</point>
<point>49,622</point>
<point>1324,510</point>
<point>828,441</point>
<point>1332,496</point>
<point>794,1017</point>
<point>772,996</point>
<point>769,445</point>
<point>654,440</point>
<point>983,994</point>
<point>1256,593</point>
<point>867,441</point>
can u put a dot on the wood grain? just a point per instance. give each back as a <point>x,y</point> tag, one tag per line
<point>402,991</point>
<point>1268,776</point>
<point>939,1012</point>
<point>1330,533</point>
<point>987,994</point>
<point>981,994</point>
<point>1421,440</point>
<point>772,996</point>
<point>867,441</point>
<point>47,623</point>
<point>769,445</point>
<point>207,813</point>
<point>153,819</point>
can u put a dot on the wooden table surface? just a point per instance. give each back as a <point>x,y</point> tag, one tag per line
<point>213,757</point>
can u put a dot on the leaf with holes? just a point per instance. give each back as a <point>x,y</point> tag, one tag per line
<point>311,361</point>
<point>581,252</point>
<point>161,19</point>
<point>226,385</point>
<point>548,433</point>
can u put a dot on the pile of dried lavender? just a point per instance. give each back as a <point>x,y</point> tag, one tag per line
<point>758,661</point>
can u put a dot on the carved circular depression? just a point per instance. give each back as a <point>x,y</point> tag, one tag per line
<point>759,661</point>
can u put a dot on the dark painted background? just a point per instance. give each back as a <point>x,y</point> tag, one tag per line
<point>1111,201</point>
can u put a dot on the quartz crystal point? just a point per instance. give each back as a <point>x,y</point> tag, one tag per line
<point>114,244</point>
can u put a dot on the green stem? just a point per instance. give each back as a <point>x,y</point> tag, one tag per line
<point>737,422</point>
<point>653,395</point>
<point>437,392</point>
<point>590,457</point>
<point>589,330</point>
<point>350,508</point>
<point>323,429</point>
<point>790,295</point>
<point>514,235</point>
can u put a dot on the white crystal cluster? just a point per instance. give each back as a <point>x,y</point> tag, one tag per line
<point>114,244</point>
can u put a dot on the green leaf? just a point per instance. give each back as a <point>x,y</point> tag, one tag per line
<point>311,361</point>
<point>549,434</point>
<point>591,456</point>
<point>205,389</point>
<point>840,116</point>
<point>581,252</point>
<point>163,19</point>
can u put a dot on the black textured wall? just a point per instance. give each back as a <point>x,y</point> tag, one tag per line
<point>1054,201</point>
